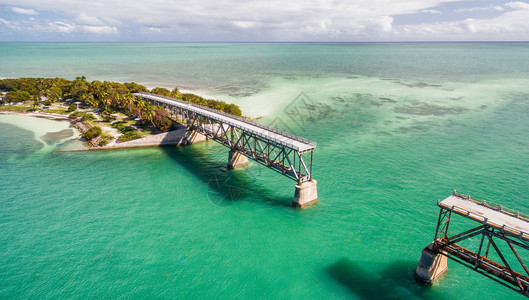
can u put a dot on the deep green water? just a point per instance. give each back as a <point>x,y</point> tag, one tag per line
<point>398,126</point>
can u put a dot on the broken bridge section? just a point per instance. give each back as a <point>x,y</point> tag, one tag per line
<point>497,245</point>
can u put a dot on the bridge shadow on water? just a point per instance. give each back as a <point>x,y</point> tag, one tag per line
<point>394,282</point>
<point>225,186</point>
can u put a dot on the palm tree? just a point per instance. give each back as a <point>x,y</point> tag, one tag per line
<point>148,113</point>
<point>101,93</point>
<point>128,102</point>
<point>140,104</point>
<point>106,101</point>
<point>53,93</point>
<point>90,100</point>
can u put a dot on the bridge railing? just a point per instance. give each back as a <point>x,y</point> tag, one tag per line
<point>291,136</point>
<point>494,206</point>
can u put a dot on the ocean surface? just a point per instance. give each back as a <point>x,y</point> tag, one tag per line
<point>399,126</point>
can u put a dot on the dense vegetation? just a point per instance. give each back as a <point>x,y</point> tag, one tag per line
<point>130,135</point>
<point>92,133</point>
<point>109,97</point>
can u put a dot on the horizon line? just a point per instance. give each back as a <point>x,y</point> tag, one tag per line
<point>268,42</point>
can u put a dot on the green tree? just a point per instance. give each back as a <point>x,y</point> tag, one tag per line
<point>233,109</point>
<point>133,87</point>
<point>161,91</point>
<point>89,100</point>
<point>148,113</point>
<point>137,109</point>
<point>79,88</point>
<point>18,96</point>
<point>92,133</point>
<point>176,93</point>
<point>53,94</point>
<point>72,107</point>
<point>107,115</point>
<point>36,103</point>
<point>102,93</point>
<point>128,101</point>
<point>9,84</point>
<point>162,119</point>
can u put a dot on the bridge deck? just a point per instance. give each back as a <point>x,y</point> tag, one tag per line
<point>282,138</point>
<point>481,212</point>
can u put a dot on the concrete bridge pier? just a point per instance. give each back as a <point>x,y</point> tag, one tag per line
<point>236,159</point>
<point>432,266</point>
<point>193,136</point>
<point>306,194</point>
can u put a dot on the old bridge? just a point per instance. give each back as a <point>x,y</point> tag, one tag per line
<point>284,153</point>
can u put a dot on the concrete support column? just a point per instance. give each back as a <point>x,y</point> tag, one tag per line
<point>431,267</point>
<point>236,159</point>
<point>193,136</point>
<point>306,194</point>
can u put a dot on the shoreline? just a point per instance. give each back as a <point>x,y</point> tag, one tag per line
<point>49,116</point>
<point>107,114</point>
<point>175,137</point>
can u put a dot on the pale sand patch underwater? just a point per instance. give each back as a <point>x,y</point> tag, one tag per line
<point>368,110</point>
<point>51,133</point>
<point>392,105</point>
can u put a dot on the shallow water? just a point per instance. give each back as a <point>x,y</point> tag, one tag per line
<point>52,134</point>
<point>398,126</point>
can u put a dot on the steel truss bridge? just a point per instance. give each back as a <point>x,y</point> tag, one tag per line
<point>284,153</point>
<point>501,232</point>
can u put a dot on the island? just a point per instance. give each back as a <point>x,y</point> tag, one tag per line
<point>106,113</point>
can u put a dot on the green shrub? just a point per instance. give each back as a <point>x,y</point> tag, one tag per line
<point>85,116</point>
<point>107,115</point>
<point>13,108</point>
<point>18,96</point>
<point>72,107</point>
<point>92,133</point>
<point>103,142</point>
<point>134,87</point>
<point>161,91</point>
<point>55,111</point>
<point>119,126</point>
<point>130,135</point>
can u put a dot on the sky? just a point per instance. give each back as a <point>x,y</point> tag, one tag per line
<point>264,21</point>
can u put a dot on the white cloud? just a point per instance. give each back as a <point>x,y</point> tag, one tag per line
<point>154,29</point>
<point>511,25</point>
<point>246,24</point>
<point>63,27</point>
<point>517,5</point>
<point>271,19</point>
<point>32,25</point>
<point>24,11</point>
<point>279,20</point>
<point>84,19</point>
<point>99,29</point>
<point>481,8</point>
<point>430,11</point>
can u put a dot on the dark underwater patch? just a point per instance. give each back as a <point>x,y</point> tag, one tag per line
<point>424,109</point>
<point>52,138</point>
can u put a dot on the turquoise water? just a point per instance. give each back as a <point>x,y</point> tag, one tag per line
<point>398,126</point>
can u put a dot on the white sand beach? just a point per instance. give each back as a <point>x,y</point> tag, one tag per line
<point>49,129</point>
